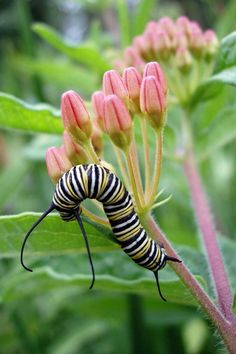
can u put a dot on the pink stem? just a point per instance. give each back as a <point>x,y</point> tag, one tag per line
<point>225,327</point>
<point>207,228</point>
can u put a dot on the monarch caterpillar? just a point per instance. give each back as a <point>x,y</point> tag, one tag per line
<point>97,182</point>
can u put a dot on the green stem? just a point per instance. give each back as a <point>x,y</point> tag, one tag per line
<point>147,163</point>
<point>91,153</point>
<point>157,168</point>
<point>94,217</point>
<point>121,166</point>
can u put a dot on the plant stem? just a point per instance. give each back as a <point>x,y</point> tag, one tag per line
<point>207,227</point>
<point>135,179</point>
<point>226,328</point>
<point>91,153</point>
<point>121,166</point>
<point>146,154</point>
<point>94,217</point>
<point>157,168</point>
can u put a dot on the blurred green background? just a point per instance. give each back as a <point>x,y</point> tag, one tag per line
<point>51,313</point>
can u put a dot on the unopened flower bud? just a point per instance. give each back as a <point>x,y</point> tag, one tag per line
<point>153,101</point>
<point>154,69</point>
<point>75,116</point>
<point>133,58</point>
<point>168,25</point>
<point>118,123</point>
<point>74,152</point>
<point>162,44</point>
<point>183,59</point>
<point>197,43</point>
<point>97,139</point>
<point>132,80</point>
<point>98,107</point>
<point>183,24</point>
<point>113,85</point>
<point>212,42</point>
<point>57,163</point>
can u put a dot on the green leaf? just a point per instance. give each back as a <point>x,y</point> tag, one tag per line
<point>212,87</point>
<point>234,304</point>
<point>124,22</point>
<point>69,267</point>
<point>86,54</point>
<point>38,118</point>
<point>227,53</point>
<point>218,134</point>
<point>142,15</point>
<point>53,236</point>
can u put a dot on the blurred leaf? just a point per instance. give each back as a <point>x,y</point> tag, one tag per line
<point>218,134</point>
<point>72,340</point>
<point>226,20</point>
<point>86,54</point>
<point>60,73</point>
<point>227,52</point>
<point>10,177</point>
<point>144,9</point>
<point>212,86</point>
<point>124,22</point>
<point>234,304</point>
<point>17,114</point>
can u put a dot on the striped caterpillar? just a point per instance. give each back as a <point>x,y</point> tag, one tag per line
<point>97,182</point>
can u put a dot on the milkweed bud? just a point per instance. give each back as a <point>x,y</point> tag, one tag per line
<point>132,80</point>
<point>75,116</point>
<point>98,108</point>
<point>113,85</point>
<point>211,41</point>
<point>117,121</point>
<point>74,152</point>
<point>57,163</point>
<point>183,59</point>
<point>153,101</point>
<point>154,69</point>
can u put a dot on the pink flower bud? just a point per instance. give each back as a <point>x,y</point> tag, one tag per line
<point>183,59</point>
<point>153,101</point>
<point>154,69</point>
<point>74,152</point>
<point>197,43</point>
<point>212,42</point>
<point>57,163</point>
<point>75,116</point>
<point>180,40</point>
<point>118,123</point>
<point>167,25</point>
<point>98,108</point>
<point>183,24</point>
<point>113,84</point>
<point>162,44</point>
<point>132,80</point>
<point>97,139</point>
<point>133,58</point>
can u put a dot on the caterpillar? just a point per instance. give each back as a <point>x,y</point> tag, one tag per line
<point>97,182</point>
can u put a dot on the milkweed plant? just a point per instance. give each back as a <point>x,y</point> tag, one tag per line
<point>171,64</point>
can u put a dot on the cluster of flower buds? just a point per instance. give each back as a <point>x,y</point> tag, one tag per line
<point>122,97</point>
<point>179,45</point>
